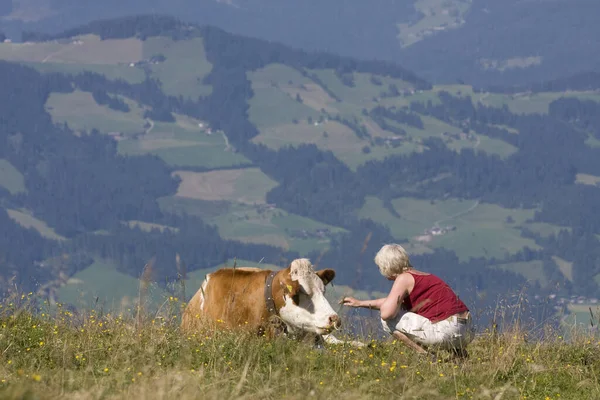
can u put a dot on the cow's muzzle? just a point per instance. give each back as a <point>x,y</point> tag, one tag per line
<point>335,323</point>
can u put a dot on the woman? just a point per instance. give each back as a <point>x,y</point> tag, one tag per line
<point>421,309</point>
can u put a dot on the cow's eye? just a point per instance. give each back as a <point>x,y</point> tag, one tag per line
<point>296,299</point>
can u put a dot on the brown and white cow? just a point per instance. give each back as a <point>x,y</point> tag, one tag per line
<point>251,298</point>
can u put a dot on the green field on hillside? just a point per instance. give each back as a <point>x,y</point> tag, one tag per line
<point>436,16</point>
<point>290,109</point>
<point>184,69</point>
<point>10,178</point>
<point>275,227</point>
<point>333,136</point>
<point>544,229</point>
<point>81,112</point>
<point>129,74</point>
<point>256,223</point>
<point>101,285</point>
<point>532,271</point>
<point>271,106</point>
<point>476,229</point>
<point>245,185</point>
<point>148,226</point>
<point>27,220</point>
<point>363,91</point>
<point>184,144</point>
<point>85,49</point>
<point>565,267</point>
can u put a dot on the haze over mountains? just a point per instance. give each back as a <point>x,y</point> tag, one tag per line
<point>145,136</point>
<point>481,42</point>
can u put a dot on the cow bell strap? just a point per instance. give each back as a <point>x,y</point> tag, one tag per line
<point>269,293</point>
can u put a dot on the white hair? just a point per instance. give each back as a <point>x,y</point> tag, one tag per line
<point>301,267</point>
<point>392,259</point>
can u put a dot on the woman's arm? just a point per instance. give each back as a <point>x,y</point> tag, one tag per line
<point>372,304</point>
<point>391,305</point>
<point>388,306</point>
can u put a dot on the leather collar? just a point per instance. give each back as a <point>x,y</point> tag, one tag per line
<point>269,293</point>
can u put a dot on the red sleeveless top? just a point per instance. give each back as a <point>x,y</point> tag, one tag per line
<point>433,299</point>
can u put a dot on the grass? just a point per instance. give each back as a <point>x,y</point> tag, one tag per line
<point>272,226</point>
<point>81,112</point>
<point>51,354</point>
<point>587,179</point>
<point>564,266</point>
<point>183,144</point>
<point>437,15</point>
<point>283,121</point>
<point>200,208</point>
<point>271,106</point>
<point>102,284</point>
<point>362,93</point>
<point>582,314</point>
<point>481,229</point>
<point>532,271</point>
<point>27,220</point>
<point>544,229</point>
<point>592,142</point>
<point>253,224</point>
<point>110,71</point>
<point>10,178</point>
<point>329,135</point>
<point>278,74</point>
<point>248,185</point>
<point>148,226</point>
<point>485,232</point>
<point>185,66</point>
<point>180,144</point>
<point>86,49</point>
<point>533,103</point>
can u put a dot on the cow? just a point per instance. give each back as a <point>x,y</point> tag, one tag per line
<point>290,301</point>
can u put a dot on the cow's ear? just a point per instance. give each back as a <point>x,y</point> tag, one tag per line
<point>326,275</point>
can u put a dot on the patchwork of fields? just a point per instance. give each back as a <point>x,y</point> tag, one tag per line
<point>469,228</point>
<point>235,201</point>
<point>289,107</point>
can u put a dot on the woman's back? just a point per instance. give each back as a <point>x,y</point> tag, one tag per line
<point>432,298</point>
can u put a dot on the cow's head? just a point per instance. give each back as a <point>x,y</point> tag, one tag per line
<point>303,304</point>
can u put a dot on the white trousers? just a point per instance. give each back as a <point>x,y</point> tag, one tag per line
<point>451,333</point>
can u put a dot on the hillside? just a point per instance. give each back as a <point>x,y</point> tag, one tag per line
<point>189,140</point>
<point>482,42</point>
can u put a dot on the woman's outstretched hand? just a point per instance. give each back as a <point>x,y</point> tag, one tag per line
<point>350,302</point>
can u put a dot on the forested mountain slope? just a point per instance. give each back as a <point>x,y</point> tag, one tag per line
<point>144,136</point>
<point>479,41</point>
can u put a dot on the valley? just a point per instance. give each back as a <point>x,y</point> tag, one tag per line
<point>277,153</point>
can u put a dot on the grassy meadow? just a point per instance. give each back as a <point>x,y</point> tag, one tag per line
<point>481,229</point>
<point>27,220</point>
<point>51,352</point>
<point>10,178</point>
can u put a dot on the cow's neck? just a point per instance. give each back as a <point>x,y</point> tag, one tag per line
<point>269,300</point>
